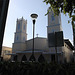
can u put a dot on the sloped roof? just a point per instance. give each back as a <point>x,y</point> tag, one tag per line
<point>36,38</point>
<point>69,43</point>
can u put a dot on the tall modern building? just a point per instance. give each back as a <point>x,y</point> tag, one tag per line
<point>22,48</point>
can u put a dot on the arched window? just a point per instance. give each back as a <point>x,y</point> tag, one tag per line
<point>18,26</point>
<point>23,38</point>
<point>15,58</point>
<point>17,38</point>
<point>52,17</point>
<point>24,27</point>
<point>41,58</point>
<point>24,58</point>
<point>32,58</point>
<point>53,31</point>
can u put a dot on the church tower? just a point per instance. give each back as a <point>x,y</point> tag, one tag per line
<point>20,35</point>
<point>54,23</point>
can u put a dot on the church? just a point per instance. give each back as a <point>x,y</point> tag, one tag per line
<point>22,48</point>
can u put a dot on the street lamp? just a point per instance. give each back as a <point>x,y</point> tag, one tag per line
<point>34,17</point>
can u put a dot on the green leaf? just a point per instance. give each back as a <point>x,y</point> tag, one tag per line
<point>74,11</point>
<point>72,24</point>
<point>68,21</point>
<point>73,17</point>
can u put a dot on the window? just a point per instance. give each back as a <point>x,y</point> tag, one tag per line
<point>24,58</point>
<point>24,27</point>
<point>17,38</point>
<point>6,52</point>
<point>15,58</point>
<point>53,57</point>
<point>53,30</point>
<point>19,26</point>
<point>24,38</point>
<point>32,58</point>
<point>52,17</point>
<point>41,58</point>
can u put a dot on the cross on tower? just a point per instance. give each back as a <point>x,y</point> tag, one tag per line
<point>37,35</point>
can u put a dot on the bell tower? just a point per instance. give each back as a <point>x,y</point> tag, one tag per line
<point>54,23</point>
<point>20,35</point>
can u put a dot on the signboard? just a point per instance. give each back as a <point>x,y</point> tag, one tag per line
<point>59,39</point>
<point>51,39</point>
<point>55,39</point>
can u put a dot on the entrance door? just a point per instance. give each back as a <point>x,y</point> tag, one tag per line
<point>53,57</point>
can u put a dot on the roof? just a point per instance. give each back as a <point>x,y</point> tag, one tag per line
<point>30,51</point>
<point>11,54</point>
<point>69,43</point>
<point>6,47</point>
<point>37,38</point>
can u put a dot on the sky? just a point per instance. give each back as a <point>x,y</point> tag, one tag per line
<point>24,8</point>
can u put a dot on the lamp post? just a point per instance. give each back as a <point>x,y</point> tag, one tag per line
<point>34,17</point>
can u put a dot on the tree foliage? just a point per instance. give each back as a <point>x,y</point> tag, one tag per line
<point>36,68</point>
<point>64,6</point>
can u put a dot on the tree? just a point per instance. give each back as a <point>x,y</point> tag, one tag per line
<point>63,6</point>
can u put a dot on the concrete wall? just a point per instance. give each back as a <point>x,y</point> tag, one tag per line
<point>51,29</point>
<point>18,47</point>
<point>42,44</point>
<point>67,52</point>
<point>39,43</point>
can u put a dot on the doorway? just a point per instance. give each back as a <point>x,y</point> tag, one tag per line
<point>52,57</point>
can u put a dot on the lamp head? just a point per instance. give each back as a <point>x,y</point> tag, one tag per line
<point>34,17</point>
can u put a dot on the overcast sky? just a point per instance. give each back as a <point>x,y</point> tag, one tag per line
<point>19,8</point>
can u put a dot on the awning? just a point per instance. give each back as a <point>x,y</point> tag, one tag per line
<point>52,52</point>
<point>11,54</point>
<point>29,51</point>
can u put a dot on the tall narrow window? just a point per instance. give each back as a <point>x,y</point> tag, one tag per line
<point>52,30</point>
<point>17,38</point>
<point>23,38</point>
<point>18,26</point>
<point>52,17</point>
<point>24,27</point>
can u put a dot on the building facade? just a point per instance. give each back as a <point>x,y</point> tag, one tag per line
<point>22,48</point>
<point>6,51</point>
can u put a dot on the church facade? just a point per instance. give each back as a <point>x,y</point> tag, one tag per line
<point>22,48</point>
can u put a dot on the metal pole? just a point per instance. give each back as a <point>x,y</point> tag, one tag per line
<point>33,38</point>
<point>56,47</point>
<point>74,36</point>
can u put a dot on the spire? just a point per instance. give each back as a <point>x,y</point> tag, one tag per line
<point>22,17</point>
<point>17,19</point>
